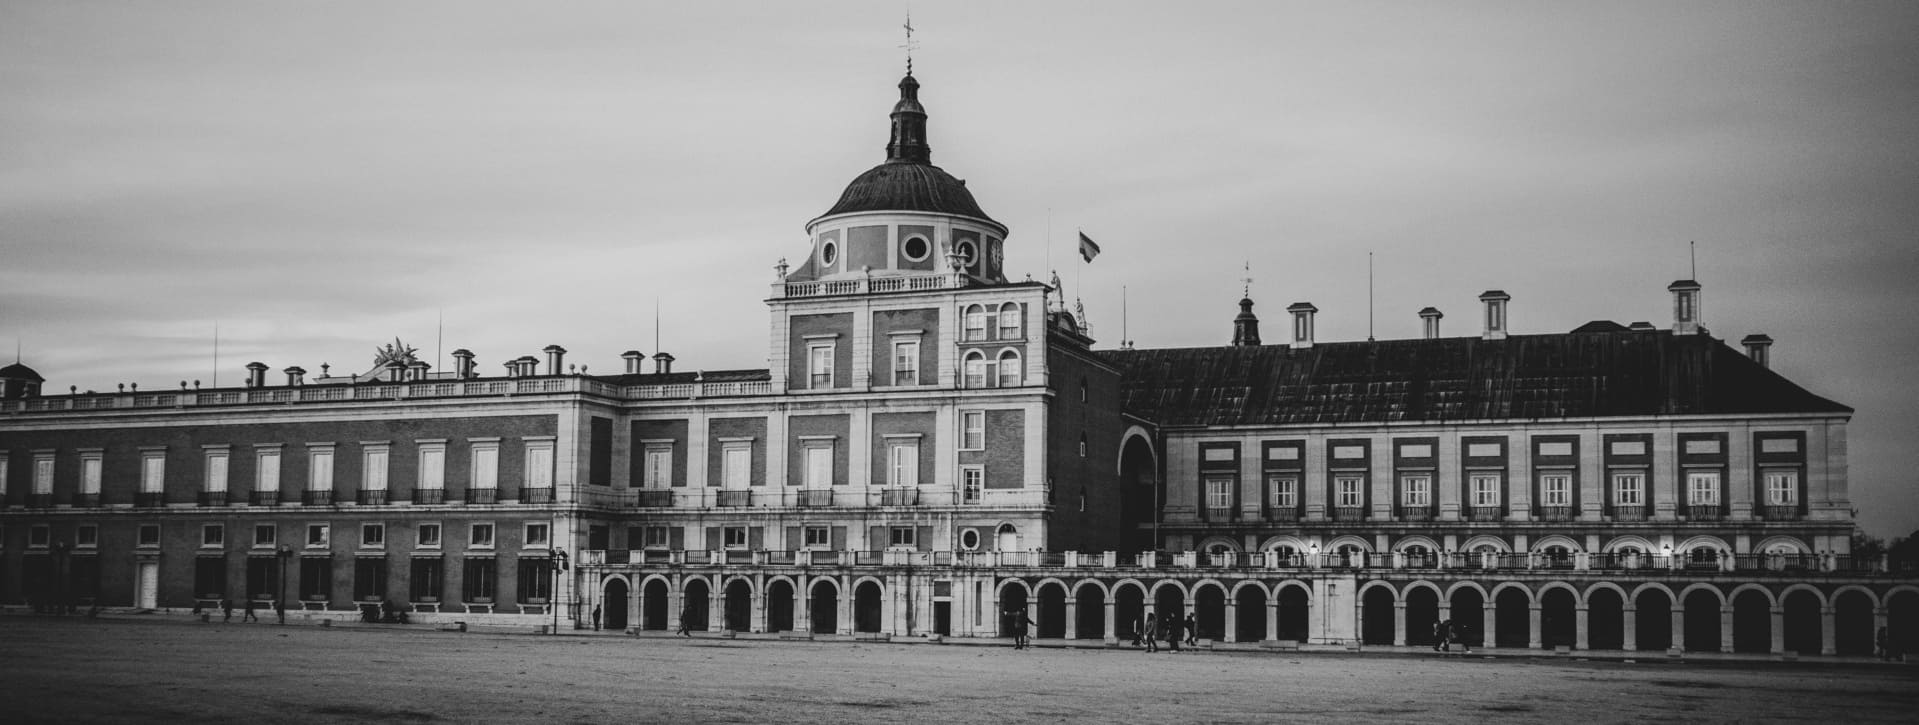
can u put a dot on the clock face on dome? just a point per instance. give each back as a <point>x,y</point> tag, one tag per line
<point>997,254</point>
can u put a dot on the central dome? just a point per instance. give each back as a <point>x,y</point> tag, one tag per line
<point>902,186</point>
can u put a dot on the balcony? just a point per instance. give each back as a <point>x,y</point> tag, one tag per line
<point>87,500</point>
<point>816,497</point>
<point>1221,514</point>
<point>536,495</point>
<point>1282,513</point>
<point>316,498</point>
<point>1349,513</point>
<point>1485,513</point>
<point>39,500</point>
<point>899,497</point>
<point>1629,513</point>
<point>265,498</point>
<point>368,497</point>
<point>735,498</point>
<point>1555,513</point>
<point>429,495</point>
<point>149,499</point>
<point>1705,512</point>
<point>1780,513</point>
<point>655,497</point>
<point>1415,513</point>
<point>482,495</point>
<point>213,498</point>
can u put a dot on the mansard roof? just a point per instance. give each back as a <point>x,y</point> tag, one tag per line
<point>1570,375</point>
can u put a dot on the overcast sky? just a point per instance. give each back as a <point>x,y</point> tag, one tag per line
<point>319,178</point>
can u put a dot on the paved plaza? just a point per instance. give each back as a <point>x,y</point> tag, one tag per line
<point>163,669</point>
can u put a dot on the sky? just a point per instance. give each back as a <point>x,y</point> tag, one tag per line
<point>316,179</point>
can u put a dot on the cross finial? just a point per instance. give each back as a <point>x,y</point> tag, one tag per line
<point>1248,279</point>
<point>909,45</point>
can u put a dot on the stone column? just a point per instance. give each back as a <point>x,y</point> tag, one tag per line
<point>634,599</point>
<point>1232,622</point>
<point>1678,625</point>
<point>1582,620</point>
<point>1399,623</point>
<point>1272,618</point>
<point>803,604</point>
<point>1725,627</point>
<point>1112,625</point>
<point>1072,617</point>
<point>1828,630</point>
<point>845,605</point>
<point>1488,613</point>
<point>716,609</point>
<point>1533,639</point>
<point>757,622</point>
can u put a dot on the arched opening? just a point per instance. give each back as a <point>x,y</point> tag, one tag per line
<point>1852,623</point>
<point>1006,538</point>
<point>1512,618</point>
<point>1605,619</point>
<point>1902,621</point>
<point>1052,611</point>
<point>1249,607</point>
<point>1129,606</point>
<point>1138,494</point>
<point>1209,609</point>
<point>694,604</point>
<point>1652,620</point>
<point>1469,611</point>
<point>1422,615</point>
<point>1168,602</point>
<point>868,602</point>
<point>1377,610</point>
<point>1418,556</point>
<point>779,606</point>
<point>1012,603</point>
<point>1751,622</point>
<point>1091,614</point>
<point>1295,613</point>
<point>1010,372</point>
<point>824,607</point>
<point>1556,557</point>
<point>1702,621</point>
<point>613,605</point>
<point>654,606</point>
<point>739,606</point>
<point>1803,634</point>
<point>1558,623</point>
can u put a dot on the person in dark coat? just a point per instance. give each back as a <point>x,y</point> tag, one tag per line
<point>247,615</point>
<point>1442,642</point>
<point>686,616</point>
<point>1150,633</point>
<point>226,607</point>
<point>280,608</point>
<point>1454,634</point>
<point>1173,626</point>
<point>1192,630</point>
<point>1021,625</point>
<point>596,617</point>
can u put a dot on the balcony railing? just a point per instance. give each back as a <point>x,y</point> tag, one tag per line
<point>655,497</point>
<point>536,495</point>
<point>1780,513</point>
<point>1218,514</point>
<point>1705,512</point>
<point>316,498</point>
<point>736,498</point>
<point>1415,513</point>
<point>86,500</point>
<point>213,498</point>
<point>864,285</point>
<point>264,498</point>
<point>482,495</point>
<point>149,499</point>
<point>899,497</point>
<point>1349,513</point>
<point>40,500</point>
<point>1555,513</point>
<point>429,495</point>
<point>1282,513</point>
<point>816,497</point>
<point>1629,513</point>
<point>341,390</point>
<point>1485,513</point>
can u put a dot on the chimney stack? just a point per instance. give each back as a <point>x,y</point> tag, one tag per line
<point>256,375</point>
<point>529,366</point>
<point>1495,301</point>
<point>1246,325</point>
<point>463,363</point>
<point>1759,348</point>
<point>512,368</point>
<point>634,359</point>
<point>1302,324</point>
<point>662,363</point>
<point>416,370</point>
<point>1685,307</point>
<point>296,376</point>
<point>1429,320</point>
<point>555,355</point>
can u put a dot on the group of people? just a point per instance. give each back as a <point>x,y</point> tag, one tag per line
<point>1445,633</point>
<point>247,615</point>
<point>1173,629</point>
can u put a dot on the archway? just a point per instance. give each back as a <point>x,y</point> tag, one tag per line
<point>1702,621</point>
<point>1249,607</point>
<point>1129,606</point>
<point>1902,620</point>
<point>1090,619</point>
<point>1139,493</point>
<point>1377,611</point>
<point>739,606</point>
<point>1422,613</point>
<point>824,607</point>
<point>1751,622</point>
<point>1295,613</point>
<point>1558,622</point>
<point>1469,611</point>
<point>1852,623</point>
<point>1513,616</point>
<point>1605,619</point>
<point>779,606</point>
<point>868,603</point>
<point>654,609</point>
<point>1652,618</point>
<point>1803,634</point>
<point>1169,602</point>
<point>694,605</point>
<point>613,605</point>
<point>1052,611</point>
<point>1209,609</point>
<point>1012,601</point>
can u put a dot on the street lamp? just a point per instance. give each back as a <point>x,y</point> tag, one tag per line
<point>280,595</point>
<point>553,597</point>
<point>60,550</point>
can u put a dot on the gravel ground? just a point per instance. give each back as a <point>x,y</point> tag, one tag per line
<point>130,670</point>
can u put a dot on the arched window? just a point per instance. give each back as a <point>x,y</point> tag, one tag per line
<point>1288,556</point>
<point>1009,369</point>
<point>975,323</point>
<point>1557,557</point>
<point>975,369</point>
<point>1009,322</point>
<point>1418,556</point>
<point>1007,538</point>
<point>1349,555</point>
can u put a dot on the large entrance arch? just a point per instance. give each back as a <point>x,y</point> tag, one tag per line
<point>1012,603</point>
<point>1514,618</point>
<point>1702,621</point>
<point>1652,618</point>
<point>739,606</point>
<point>1558,619</point>
<point>613,605</point>
<point>1052,611</point>
<point>1249,607</point>
<point>1091,614</point>
<point>779,606</point>
<point>1129,606</point>
<point>1295,613</point>
<point>1377,610</point>
<point>693,612</point>
<point>1751,622</point>
<point>1852,623</point>
<point>1902,620</point>
<point>1804,633</point>
<point>655,609</point>
<point>1469,611</point>
<point>868,605</point>
<point>1209,611</point>
<point>1605,619</point>
<point>823,607</point>
<point>1422,614</point>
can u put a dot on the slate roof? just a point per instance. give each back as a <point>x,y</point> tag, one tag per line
<point>1569,375</point>
<point>905,186</point>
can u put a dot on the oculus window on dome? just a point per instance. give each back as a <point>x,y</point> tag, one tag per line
<point>915,249</point>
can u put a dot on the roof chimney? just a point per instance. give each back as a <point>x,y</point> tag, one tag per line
<point>256,375</point>
<point>1429,320</point>
<point>634,359</point>
<point>512,368</point>
<point>1302,323</point>
<point>296,376</point>
<point>463,363</point>
<point>1685,307</point>
<point>1246,325</point>
<point>1759,348</point>
<point>662,363</point>
<point>1495,301</point>
<point>416,370</point>
<point>529,366</point>
<point>554,356</point>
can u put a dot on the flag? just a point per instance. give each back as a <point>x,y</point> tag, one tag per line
<point>1087,249</point>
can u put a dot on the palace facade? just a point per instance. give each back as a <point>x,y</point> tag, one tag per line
<point>935,444</point>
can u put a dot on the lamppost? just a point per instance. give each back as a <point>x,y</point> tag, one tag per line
<point>286,557</point>
<point>553,599</point>
<point>60,550</point>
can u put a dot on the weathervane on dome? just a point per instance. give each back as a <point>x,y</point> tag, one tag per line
<point>1247,292</point>
<point>909,45</point>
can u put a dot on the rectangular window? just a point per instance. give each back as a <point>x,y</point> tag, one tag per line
<point>903,463</point>
<point>320,470</point>
<point>486,465</point>
<point>216,481</point>
<point>265,535</point>
<point>428,536</point>
<point>972,481</point>
<point>658,472</point>
<point>1629,489</point>
<point>536,580</point>
<point>86,536</point>
<point>736,465</point>
<point>733,537</point>
<point>973,430</point>
<point>90,466</point>
<point>656,537</point>
<point>426,580</point>
<point>373,535</point>
<point>906,362</point>
<point>1485,488</point>
<point>213,535</point>
<point>1349,491</point>
<point>538,536</point>
<point>266,477</point>
<point>819,366</point>
<point>539,464</point>
<point>1782,488</point>
<point>43,474</point>
<point>373,462</point>
<point>149,535</point>
<point>432,467</point>
<point>818,537</point>
<point>479,581</point>
<point>1555,489</point>
<point>318,535</point>
<point>480,536</point>
<point>1285,491</point>
<point>975,329</point>
<point>1416,490</point>
<point>1219,492</point>
<point>153,471</point>
<point>1009,321</point>
<point>1702,488</point>
<point>819,466</point>
<point>316,578</point>
<point>209,577</point>
<point>39,536</point>
<point>903,537</point>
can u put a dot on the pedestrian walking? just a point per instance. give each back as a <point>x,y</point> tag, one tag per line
<point>226,607</point>
<point>248,615</point>
<point>1151,633</point>
<point>1173,635</point>
<point>596,617</point>
<point>1883,641</point>
<point>1455,633</point>
<point>1192,630</point>
<point>1138,624</point>
<point>280,608</point>
<point>686,616</point>
<point>1441,642</point>
<point>1021,625</point>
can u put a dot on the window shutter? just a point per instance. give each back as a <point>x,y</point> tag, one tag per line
<point>876,538</point>
<point>839,538</point>
<point>712,538</point>
<point>676,538</point>
<point>793,538</point>
<point>756,538</point>
<point>923,538</point>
